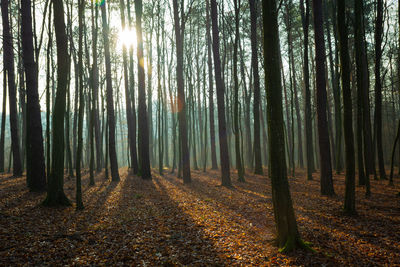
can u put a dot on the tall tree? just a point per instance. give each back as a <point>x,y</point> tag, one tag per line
<point>378,86</point>
<point>134,160</point>
<point>323,136</point>
<point>55,189</point>
<point>256,76</point>
<point>179,26</point>
<point>128,103</point>
<point>109,96</point>
<point>364,141</point>
<point>142,113</point>
<point>3,121</point>
<point>8,59</point>
<point>79,203</point>
<point>288,236</point>
<point>35,175</point>
<point>305,18</point>
<point>349,202</point>
<point>236,131</point>
<point>220,85</point>
<point>214,164</point>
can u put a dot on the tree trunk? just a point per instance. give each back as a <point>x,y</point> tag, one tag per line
<point>305,17</point>
<point>109,96</point>
<point>36,175</point>
<point>3,122</point>
<point>288,237</point>
<point>179,35</point>
<point>8,59</point>
<point>363,117</point>
<point>223,144</point>
<point>55,190</point>
<point>349,202</point>
<point>214,164</point>
<point>239,166</point>
<point>256,107</point>
<point>142,113</point>
<point>323,135</point>
<point>378,86</point>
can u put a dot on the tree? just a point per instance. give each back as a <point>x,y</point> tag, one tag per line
<point>55,190</point>
<point>129,115</point>
<point>236,131</point>
<point>142,113</point>
<point>220,85</point>
<point>378,86</point>
<point>256,76</point>
<point>36,176</point>
<point>214,165</point>
<point>305,18</point>
<point>349,202</point>
<point>109,96</point>
<point>8,59</point>
<point>3,122</point>
<point>323,136</point>
<point>363,117</point>
<point>134,160</point>
<point>79,203</point>
<point>288,236</point>
<point>179,26</point>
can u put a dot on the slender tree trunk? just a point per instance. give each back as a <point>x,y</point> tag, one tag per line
<point>256,107</point>
<point>3,122</point>
<point>378,86</point>
<point>363,117</point>
<point>142,113</point>
<point>236,131</point>
<point>79,203</point>
<point>223,143</point>
<point>179,35</point>
<point>323,135</point>
<point>288,237</point>
<point>8,59</point>
<point>55,191</point>
<point>349,202</point>
<point>305,17</point>
<point>214,164</point>
<point>134,160</point>
<point>36,175</point>
<point>109,96</point>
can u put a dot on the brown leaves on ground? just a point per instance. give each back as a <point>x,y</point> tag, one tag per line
<point>164,222</point>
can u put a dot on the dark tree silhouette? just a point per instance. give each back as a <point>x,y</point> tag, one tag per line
<point>323,135</point>
<point>8,59</point>
<point>55,190</point>
<point>35,175</point>
<point>220,86</point>
<point>109,96</point>
<point>143,141</point>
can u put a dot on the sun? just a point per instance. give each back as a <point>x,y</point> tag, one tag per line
<point>127,38</point>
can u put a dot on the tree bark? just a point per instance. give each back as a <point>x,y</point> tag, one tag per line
<point>8,59</point>
<point>214,164</point>
<point>142,113</point>
<point>36,175</point>
<point>109,96</point>
<point>288,237</point>
<point>223,143</point>
<point>378,86</point>
<point>55,190</point>
<point>349,202</point>
<point>256,106</point>
<point>323,135</point>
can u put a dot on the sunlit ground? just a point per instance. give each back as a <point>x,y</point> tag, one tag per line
<point>165,222</point>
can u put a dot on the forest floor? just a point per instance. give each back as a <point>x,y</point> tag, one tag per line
<point>163,222</point>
